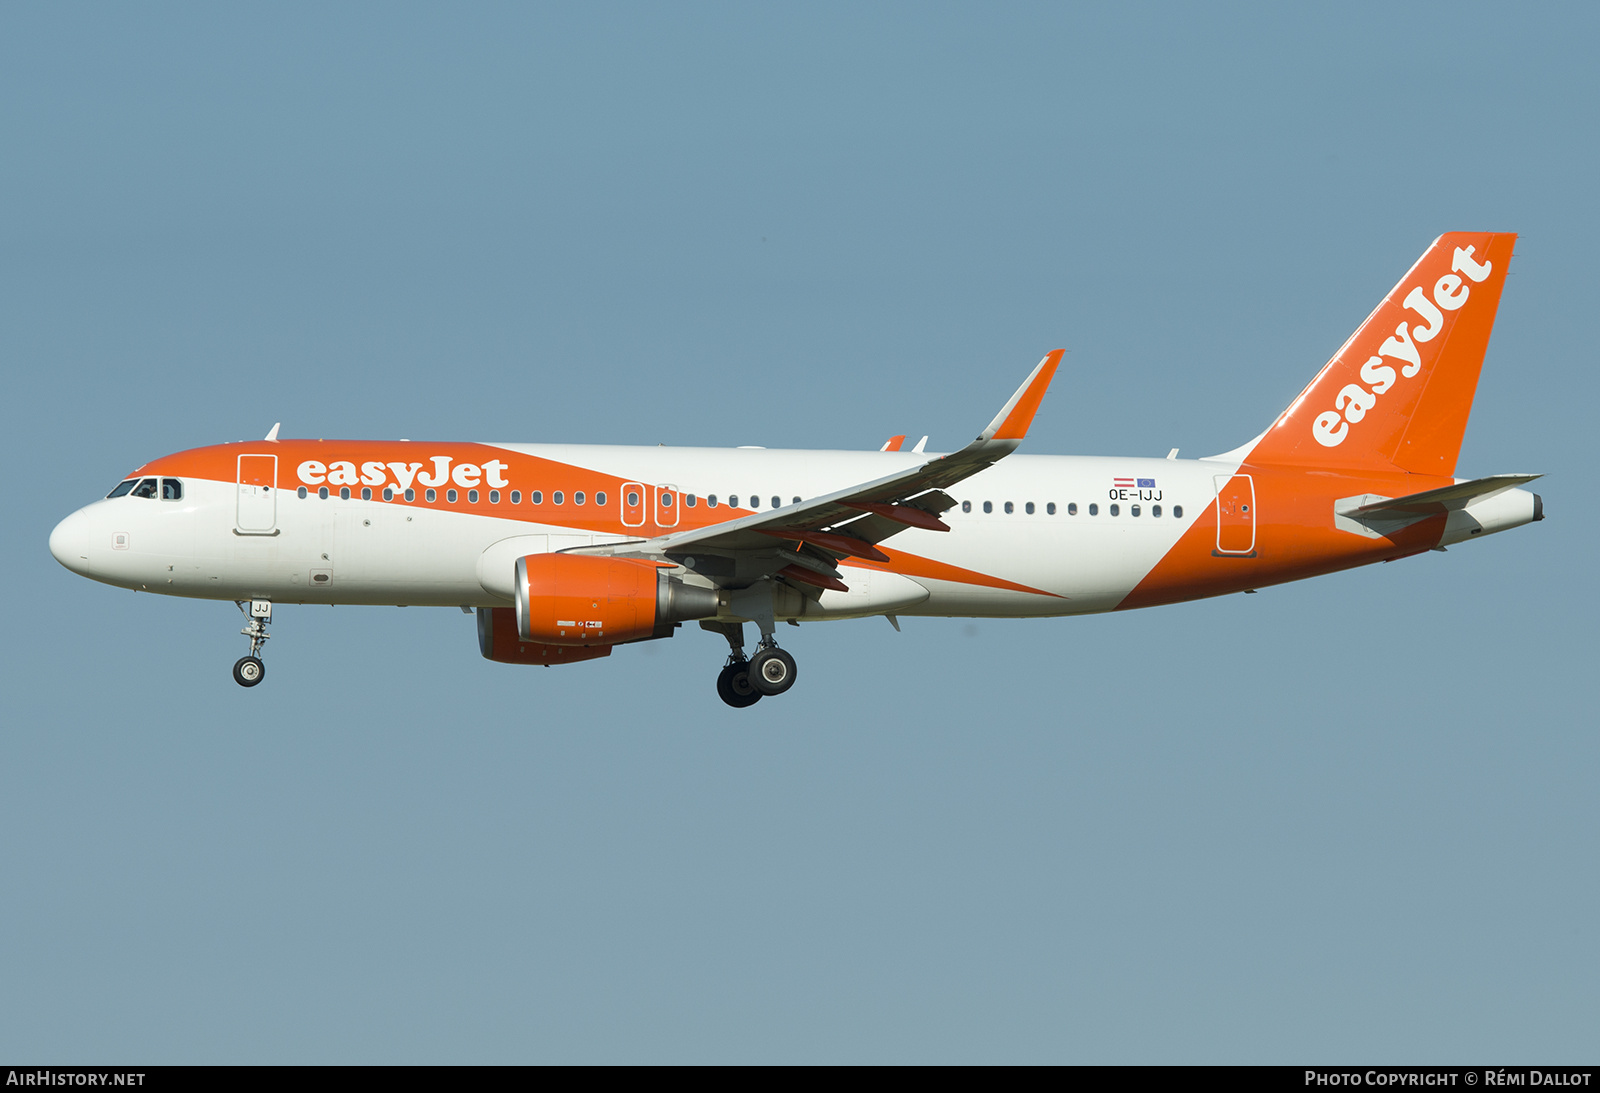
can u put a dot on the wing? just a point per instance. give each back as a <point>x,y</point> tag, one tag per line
<point>810,536</point>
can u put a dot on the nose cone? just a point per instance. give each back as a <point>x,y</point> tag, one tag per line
<point>69,542</point>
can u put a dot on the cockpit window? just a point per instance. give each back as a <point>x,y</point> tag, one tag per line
<point>123,487</point>
<point>171,489</point>
<point>145,488</point>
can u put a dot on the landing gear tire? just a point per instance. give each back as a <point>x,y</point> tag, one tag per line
<point>735,686</point>
<point>772,671</point>
<point>248,671</point>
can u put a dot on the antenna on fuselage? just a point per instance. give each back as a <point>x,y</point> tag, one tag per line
<point>272,434</point>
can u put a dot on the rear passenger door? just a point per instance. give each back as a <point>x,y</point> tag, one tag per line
<point>1236,515</point>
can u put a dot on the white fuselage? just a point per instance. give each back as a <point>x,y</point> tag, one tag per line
<point>352,551</point>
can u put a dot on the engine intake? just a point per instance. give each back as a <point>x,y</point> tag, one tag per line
<point>588,600</point>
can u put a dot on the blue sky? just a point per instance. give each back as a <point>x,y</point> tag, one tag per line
<point>1347,819</point>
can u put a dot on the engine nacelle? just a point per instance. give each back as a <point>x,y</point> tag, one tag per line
<point>588,599</point>
<point>498,640</point>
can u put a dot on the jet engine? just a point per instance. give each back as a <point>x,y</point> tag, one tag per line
<point>589,600</point>
<point>498,641</point>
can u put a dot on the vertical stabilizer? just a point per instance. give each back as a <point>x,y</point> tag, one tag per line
<point>1398,394</point>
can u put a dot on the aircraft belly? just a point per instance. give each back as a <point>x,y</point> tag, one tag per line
<point>1081,566</point>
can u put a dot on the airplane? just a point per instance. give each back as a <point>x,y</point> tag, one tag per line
<point>566,551</point>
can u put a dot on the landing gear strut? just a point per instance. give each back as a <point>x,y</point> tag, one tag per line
<point>735,685</point>
<point>248,671</point>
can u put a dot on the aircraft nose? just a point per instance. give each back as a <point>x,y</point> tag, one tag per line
<point>69,542</point>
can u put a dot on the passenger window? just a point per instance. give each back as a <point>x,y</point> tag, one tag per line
<point>344,493</point>
<point>600,498</point>
<point>557,498</point>
<point>666,499</point>
<point>1155,510</point>
<point>711,501</point>
<point>733,500</point>
<point>966,506</point>
<point>536,497</point>
<point>145,488</point>
<point>388,493</point>
<point>301,493</point>
<point>633,498</point>
<point>516,497</point>
<point>988,506</point>
<point>171,489</point>
<point>1010,508</point>
<point>431,495</point>
<point>1028,508</point>
<point>322,492</point>
<point>1072,508</point>
<point>449,495</point>
<point>689,499</point>
<point>1116,510</point>
<point>411,495</point>
<point>494,497</point>
<point>755,501</point>
<point>472,497</point>
<point>122,488</point>
<point>796,501</point>
<point>1135,510</point>
<point>1094,510</point>
<point>1177,512</point>
<point>366,493</point>
<point>777,502</point>
<point>1050,509</point>
<point>577,497</point>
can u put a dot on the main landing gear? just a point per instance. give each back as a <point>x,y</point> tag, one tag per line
<point>248,671</point>
<point>742,682</point>
<point>771,669</point>
<point>733,684</point>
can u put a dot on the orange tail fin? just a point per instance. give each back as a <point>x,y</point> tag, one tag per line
<point>1399,392</point>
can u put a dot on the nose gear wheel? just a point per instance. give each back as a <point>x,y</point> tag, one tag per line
<point>248,671</point>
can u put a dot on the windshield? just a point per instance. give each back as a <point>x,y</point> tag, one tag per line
<point>123,487</point>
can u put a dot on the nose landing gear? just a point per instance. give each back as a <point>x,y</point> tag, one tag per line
<point>249,670</point>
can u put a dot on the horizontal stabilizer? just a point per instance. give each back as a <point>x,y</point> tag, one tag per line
<point>1434,502</point>
<point>1375,517</point>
